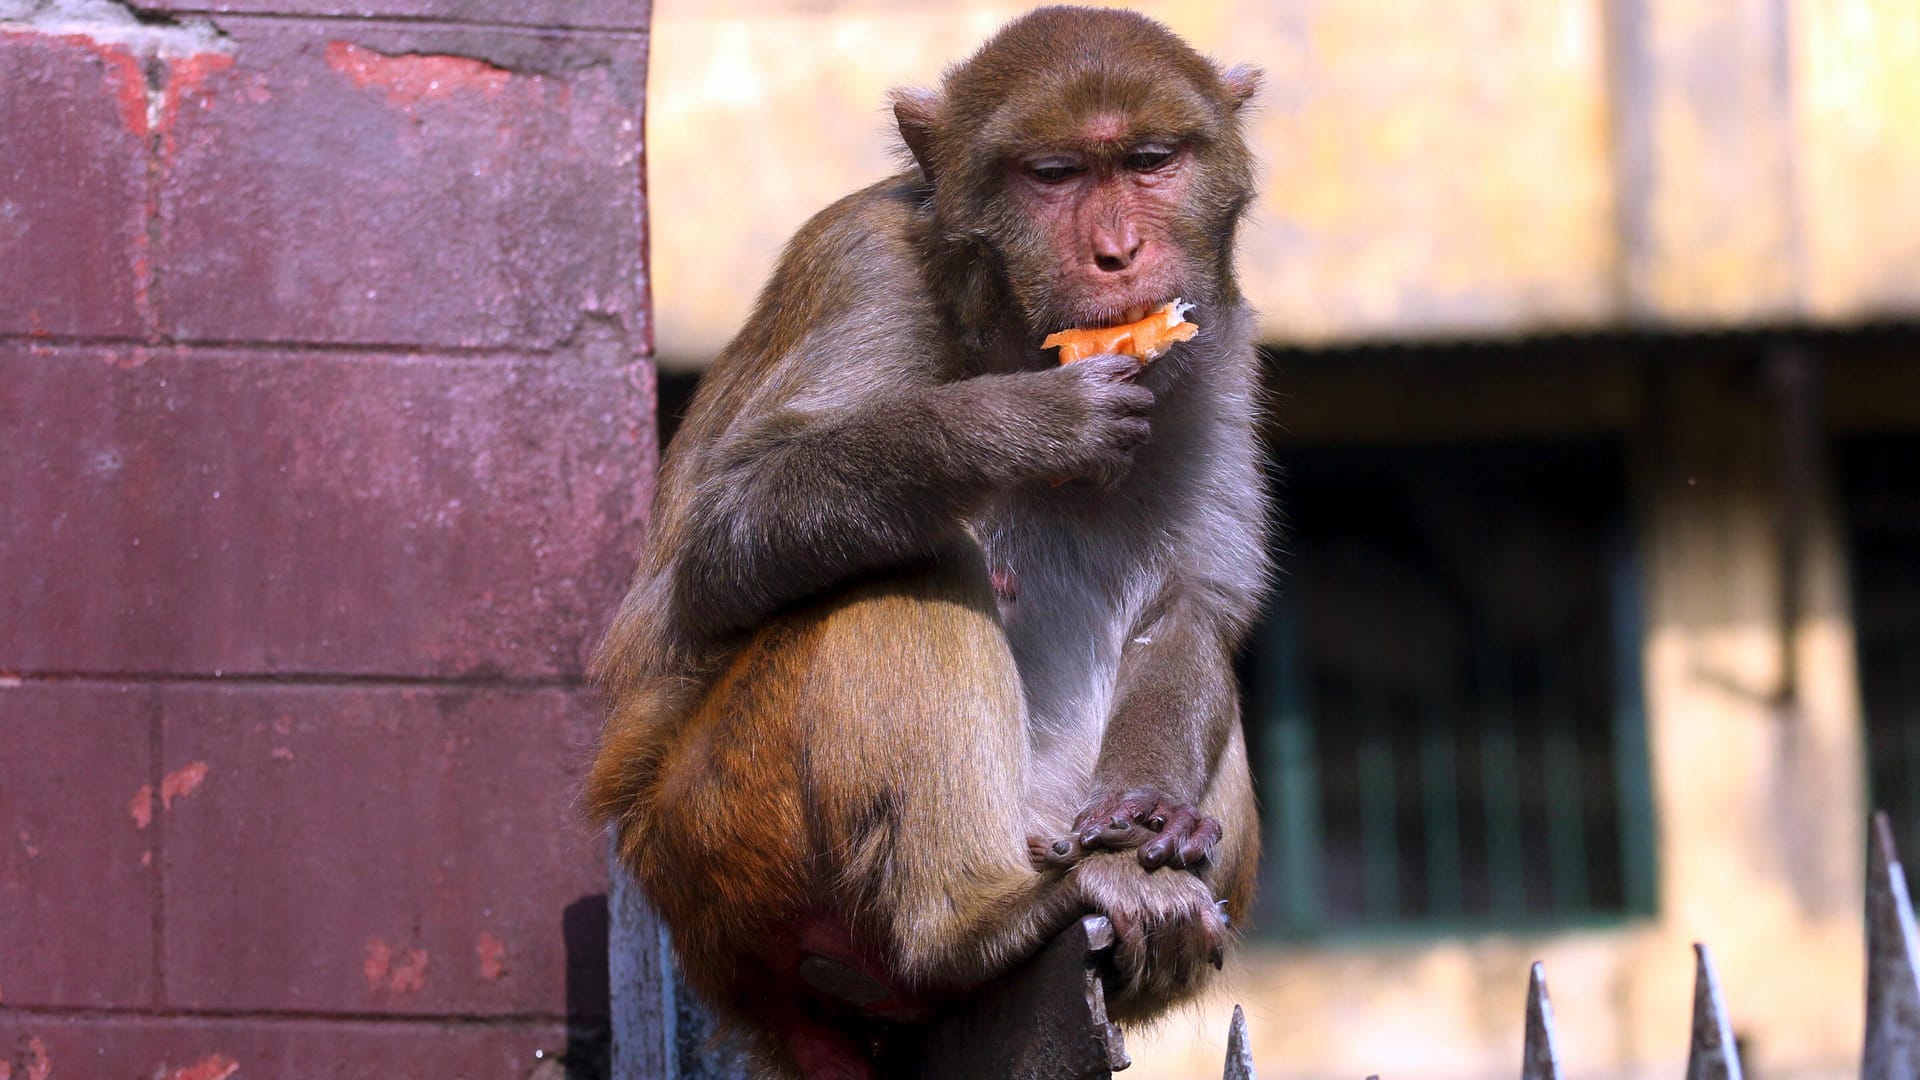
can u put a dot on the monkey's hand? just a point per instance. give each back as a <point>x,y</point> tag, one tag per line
<point>1094,416</point>
<point>1169,929</point>
<point>1165,832</point>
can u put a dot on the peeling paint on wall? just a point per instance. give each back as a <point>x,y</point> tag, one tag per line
<point>493,953</point>
<point>181,783</point>
<point>213,1067</point>
<point>140,807</point>
<point>400,972</point>
<point>411,78</point>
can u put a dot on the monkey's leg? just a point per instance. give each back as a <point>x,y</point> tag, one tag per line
<point>836,834</point>
<point>915,734</point>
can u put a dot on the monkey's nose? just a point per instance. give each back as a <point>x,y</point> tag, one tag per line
<point>1115,251</point>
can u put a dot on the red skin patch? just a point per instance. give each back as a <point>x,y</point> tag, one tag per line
<point>1107,127</point>
<point>823,1034</point>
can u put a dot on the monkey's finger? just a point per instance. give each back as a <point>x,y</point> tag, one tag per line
<point>1197,848</point>
<point>1108,367</point>
<point>1131,431</point>
<point>1217,933</point>
<point>1156,817</point>
<point>1056,852</point>
<point>1167,847</point>
<point>1133,399</point>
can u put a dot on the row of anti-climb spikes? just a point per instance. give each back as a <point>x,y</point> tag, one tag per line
<point>1892,1046</point>
<point>1891,1049</point>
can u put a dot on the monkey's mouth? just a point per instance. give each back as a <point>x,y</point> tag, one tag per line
<point>1130,314</point>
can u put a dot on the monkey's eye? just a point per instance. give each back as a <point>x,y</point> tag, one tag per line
<point>1148,157</point>
<point>1054,170</point>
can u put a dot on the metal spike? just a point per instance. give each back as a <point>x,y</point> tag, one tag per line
<point>1892,1050</point>
<point>1540,1060</point>
<point>1714,1055</point>
<point>1239,1054</point>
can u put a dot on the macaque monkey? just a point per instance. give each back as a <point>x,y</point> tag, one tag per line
<point>930,650</point>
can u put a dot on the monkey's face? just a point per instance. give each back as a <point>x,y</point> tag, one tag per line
<point>1098,157</point>
<point>1105,231</point>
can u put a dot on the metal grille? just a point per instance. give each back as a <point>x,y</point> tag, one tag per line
<point>1446,699</point>
<point>1881,478</point>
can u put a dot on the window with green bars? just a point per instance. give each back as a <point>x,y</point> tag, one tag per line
<point>1445,703</point>
<point>1880,478</point>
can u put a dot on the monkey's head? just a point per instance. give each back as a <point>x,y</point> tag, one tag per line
<point>1098,156</point>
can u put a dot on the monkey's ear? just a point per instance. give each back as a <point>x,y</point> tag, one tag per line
<point>917,111</point>
<point>1241,82</point>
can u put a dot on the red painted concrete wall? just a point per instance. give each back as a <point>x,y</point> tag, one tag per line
<point>326,430</point>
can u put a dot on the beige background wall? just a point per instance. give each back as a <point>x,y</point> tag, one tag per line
<point>1431,170</point>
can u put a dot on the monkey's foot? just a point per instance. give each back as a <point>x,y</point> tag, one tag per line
<point>1170,933</point>
<point>1166,833</point>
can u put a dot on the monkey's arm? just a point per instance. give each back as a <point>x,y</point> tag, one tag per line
<point>1176,705</point>
<point>810,495</point>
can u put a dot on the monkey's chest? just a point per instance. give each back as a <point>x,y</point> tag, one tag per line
<point>1066,600</point>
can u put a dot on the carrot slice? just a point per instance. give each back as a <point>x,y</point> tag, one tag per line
<point>1145,340</point>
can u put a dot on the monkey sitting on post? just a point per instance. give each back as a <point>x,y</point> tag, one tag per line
<point>891,703</point>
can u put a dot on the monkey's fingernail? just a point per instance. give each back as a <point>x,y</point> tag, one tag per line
<point>1063,847</point>
<point>1157,822</point>
<point>1117,822</point>
<point>1218,958</point>
<point>1220,906</point>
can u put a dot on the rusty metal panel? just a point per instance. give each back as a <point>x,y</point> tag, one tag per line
<point>107,1046</point>
<point>244,511</point>
<point>378,850</point>
<point>547,14</point>
<point>1539,1059</point>
<point>1713,1055</point>
<point>74,253</point>
<point>396,184</point>
<point>1892,1050</point>
<point>78,798</point>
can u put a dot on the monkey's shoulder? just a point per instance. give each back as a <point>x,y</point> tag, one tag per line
<point>851,270</point>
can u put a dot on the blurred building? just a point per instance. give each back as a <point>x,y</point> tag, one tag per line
<point>1597,426</point>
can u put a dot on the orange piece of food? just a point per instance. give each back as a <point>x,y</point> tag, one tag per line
<point>1145,340</point>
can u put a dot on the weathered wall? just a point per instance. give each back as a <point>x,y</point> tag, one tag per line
<point>328,424</point>
<point>1484,169</point>
<point>1758,795</point>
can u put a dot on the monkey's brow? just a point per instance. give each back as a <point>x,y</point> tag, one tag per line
<point>1078,143</point>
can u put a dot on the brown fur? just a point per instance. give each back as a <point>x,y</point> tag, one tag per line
<point>823,720</point>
